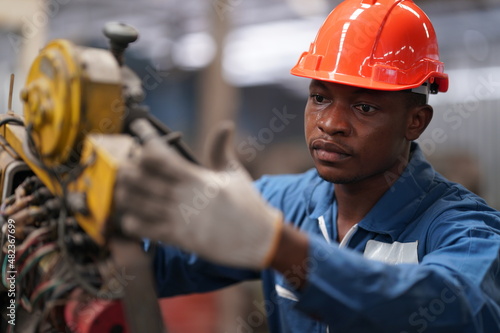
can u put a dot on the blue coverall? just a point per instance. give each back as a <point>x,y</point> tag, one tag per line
<point>426,258</point>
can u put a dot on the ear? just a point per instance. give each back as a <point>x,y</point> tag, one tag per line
<point>418,119</point>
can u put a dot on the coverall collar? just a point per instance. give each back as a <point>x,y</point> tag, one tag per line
<point>385,217</point>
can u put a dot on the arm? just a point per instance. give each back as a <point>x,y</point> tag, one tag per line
<point>455,287</point>
<point>177,272</point>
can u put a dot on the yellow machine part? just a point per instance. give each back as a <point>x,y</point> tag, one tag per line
<point>73,111</point>
<point>71,91</point>
<point>102,154</point>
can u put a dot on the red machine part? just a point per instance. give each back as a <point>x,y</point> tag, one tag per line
<point>94,315</point>
<point>193,313</point>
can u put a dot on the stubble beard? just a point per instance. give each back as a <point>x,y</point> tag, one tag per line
<point>340,180</point>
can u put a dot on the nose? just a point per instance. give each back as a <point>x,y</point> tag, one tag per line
<point>336,120</point>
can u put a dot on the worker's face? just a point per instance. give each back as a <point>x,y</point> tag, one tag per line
<point>356,134</point>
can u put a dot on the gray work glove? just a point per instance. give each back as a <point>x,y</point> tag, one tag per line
<point>214,212</point>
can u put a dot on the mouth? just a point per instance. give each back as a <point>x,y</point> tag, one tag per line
<point>329,152</point>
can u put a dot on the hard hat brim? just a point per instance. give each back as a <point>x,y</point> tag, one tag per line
<point>368,83</point>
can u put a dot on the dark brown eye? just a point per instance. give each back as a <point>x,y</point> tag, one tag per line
<point>365,108</point>
<point>318,98</point>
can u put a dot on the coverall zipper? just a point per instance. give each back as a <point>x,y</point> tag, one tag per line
<point>345,241</point>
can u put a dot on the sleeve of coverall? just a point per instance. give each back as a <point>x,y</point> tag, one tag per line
<point>177,273</point>
<point>456,287</point>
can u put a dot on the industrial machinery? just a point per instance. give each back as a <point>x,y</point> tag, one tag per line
<point>65,266</point>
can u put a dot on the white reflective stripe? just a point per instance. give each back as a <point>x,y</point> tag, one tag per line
<point>395,253</point>
<point>285,293</point>
<point>324,231</point>
<point>322,227</point>
<point>348,236</point>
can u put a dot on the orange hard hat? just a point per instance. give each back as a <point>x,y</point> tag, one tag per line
<point>376,44</point>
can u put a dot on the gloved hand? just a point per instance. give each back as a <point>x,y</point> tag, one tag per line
<point>214,212</point>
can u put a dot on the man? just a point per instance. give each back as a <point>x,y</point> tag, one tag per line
<point>373,239</point>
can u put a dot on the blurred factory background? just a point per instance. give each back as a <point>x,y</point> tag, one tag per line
<point>202,61</point>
